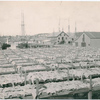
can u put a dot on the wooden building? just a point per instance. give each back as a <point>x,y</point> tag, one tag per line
<point>60,38</point>
<point>87,39</point>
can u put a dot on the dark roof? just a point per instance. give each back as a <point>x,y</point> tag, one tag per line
<point>91,35</point>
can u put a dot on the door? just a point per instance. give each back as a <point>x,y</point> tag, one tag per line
<point>62,38</point>
<point>83,44</point>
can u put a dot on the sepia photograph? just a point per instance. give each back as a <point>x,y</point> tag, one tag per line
<point>50,50</point>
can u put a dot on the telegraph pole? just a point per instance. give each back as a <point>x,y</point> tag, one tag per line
<point>22,24</point>
<point>59,24</point>
<point>90,89</point>
<point>68,27</point>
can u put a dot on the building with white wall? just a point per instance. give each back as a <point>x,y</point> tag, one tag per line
<point>60,38</point>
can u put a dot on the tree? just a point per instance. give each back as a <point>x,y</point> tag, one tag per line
<point>5,46</point>
<point>23,45</point>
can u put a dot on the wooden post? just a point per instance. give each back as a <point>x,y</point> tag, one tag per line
<point>15,68</point>
<point>12,81</point>
<point>37,87</point>
<point>51,68</point>
<point>80,66</point>
<point>95,63</point>
<point>30,81</point>
<point>21,70</point>
<point>82,77</point>
<point>68,74</point>
<point>61,61</point>
<point>73,77</point>
<point>90,89</point>
<point>25,77</point>
<point>34,91</point>
<point>89,64</point>
<point>3,94</point>
<point>99,57</point>
<point>58,67</point>
<point>72,63</point>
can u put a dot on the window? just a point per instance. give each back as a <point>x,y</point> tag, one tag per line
<point>68,42</point>
<point>58,38</point>
<point>62,38</point>
<point>83,44</point>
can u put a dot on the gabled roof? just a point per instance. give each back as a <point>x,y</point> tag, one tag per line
<point>56,34</point>
<point>61,33</point>
<point>91,35</point>
<point>94,35</point>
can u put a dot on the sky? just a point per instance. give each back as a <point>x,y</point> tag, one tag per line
<point>44,16</point>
